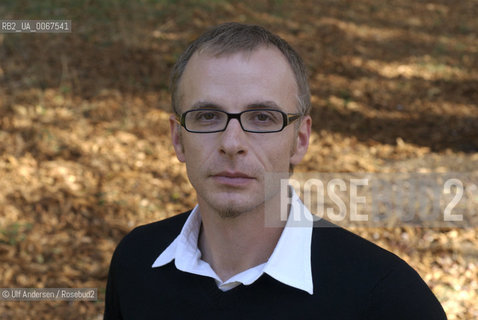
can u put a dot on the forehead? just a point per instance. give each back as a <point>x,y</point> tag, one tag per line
<point>235,80</point>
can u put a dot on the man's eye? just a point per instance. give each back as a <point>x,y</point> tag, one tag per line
<point>206,116</point>
<point>263,117</point>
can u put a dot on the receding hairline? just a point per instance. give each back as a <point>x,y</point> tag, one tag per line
<point>217,53</point>
<point>234,37</point>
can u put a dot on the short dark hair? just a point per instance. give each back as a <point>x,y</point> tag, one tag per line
<point>233,37</point>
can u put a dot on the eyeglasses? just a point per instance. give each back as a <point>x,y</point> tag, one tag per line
<point>256,121</point>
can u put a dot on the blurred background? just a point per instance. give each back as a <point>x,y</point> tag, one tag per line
<point>84,138</point>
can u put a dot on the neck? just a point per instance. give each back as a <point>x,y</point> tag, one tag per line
<point>233,245</point>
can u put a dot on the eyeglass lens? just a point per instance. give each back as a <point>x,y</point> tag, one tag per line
<point>251,120</point>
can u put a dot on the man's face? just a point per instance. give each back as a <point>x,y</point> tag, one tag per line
<point>227,168</point>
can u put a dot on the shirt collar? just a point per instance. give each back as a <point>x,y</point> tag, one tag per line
<point>290,262</point>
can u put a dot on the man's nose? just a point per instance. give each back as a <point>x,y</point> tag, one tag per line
<point>233,139</point>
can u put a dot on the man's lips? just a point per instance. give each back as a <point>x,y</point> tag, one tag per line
<point>232,178</point>
<point>232,174</point>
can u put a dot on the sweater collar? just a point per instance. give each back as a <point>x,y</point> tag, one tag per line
<point>290,262</point>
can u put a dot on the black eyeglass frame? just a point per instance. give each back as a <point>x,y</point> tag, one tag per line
<point>287,118</point>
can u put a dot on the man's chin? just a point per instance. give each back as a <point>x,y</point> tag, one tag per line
<point>229,213</point>
<point>236,208</point>
<point>231,203</point>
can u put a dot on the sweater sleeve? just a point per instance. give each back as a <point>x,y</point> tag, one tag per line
<point>402,294</point>
<point>112,306</point>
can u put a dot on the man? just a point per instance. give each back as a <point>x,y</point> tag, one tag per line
<point>241,103</point>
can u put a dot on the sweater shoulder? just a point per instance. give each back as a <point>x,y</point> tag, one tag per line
<point>337,241</point>
<point>368,279</point>
<point>351,257</point>
<point>147,241</point>
<point>166,228</point>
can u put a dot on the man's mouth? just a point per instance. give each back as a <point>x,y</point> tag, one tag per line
<point>232,178</point>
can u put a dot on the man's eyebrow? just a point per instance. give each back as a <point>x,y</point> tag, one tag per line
<point>263,104</point>
<point>205,105</point>
<point>254,105</point>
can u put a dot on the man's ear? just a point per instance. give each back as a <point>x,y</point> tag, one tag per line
<point>175,128</point>
<point>302,142</point>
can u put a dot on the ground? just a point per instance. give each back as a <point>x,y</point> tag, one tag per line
<point>85,154</point>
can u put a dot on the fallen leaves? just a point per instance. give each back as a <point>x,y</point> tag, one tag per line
<point>85,154</point>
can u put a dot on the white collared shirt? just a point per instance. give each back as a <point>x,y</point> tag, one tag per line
<point>289,263</point>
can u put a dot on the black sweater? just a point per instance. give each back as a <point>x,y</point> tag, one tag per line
<point>353,279</point>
